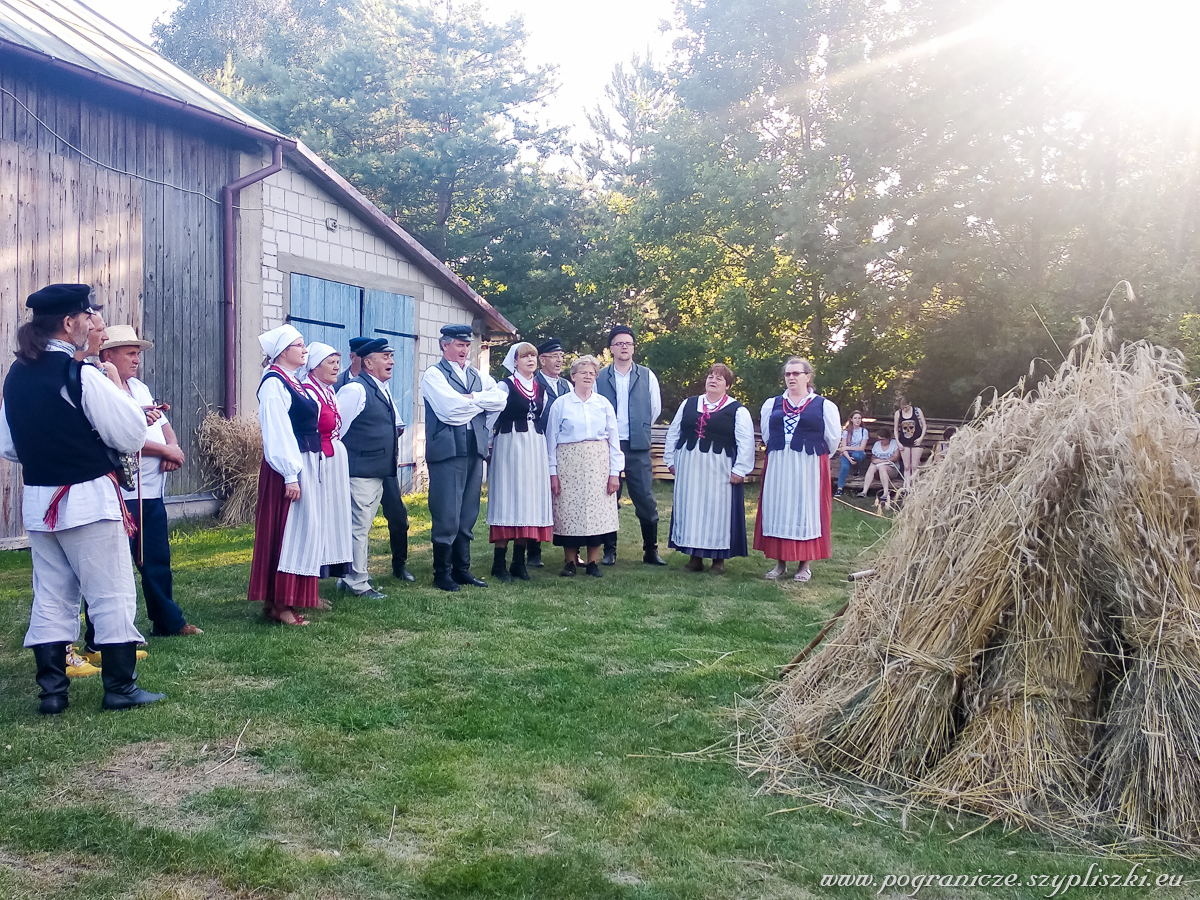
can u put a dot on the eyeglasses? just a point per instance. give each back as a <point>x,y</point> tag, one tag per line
<point>622,344</point>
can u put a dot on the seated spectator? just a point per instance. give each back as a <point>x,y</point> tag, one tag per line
<point>852,449</point>
<point>943,445</point>
<point>883,463</point>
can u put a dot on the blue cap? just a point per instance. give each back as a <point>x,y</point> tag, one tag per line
<point>61,300</point>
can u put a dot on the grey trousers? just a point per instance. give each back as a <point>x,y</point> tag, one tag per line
<point>639,478</point>
<point>90,560</point>
<point>365,494</point>
<point>454,487</point>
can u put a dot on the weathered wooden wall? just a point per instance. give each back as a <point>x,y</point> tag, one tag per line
<point>121,197</point>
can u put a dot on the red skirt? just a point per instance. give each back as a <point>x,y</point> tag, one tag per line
<point>800,551</point>
<point>267,583</point>
<point>520,532</point>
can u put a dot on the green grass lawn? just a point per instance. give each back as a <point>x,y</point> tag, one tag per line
<point>531,740</point>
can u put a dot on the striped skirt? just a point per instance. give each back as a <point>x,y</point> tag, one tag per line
<point>584,508</point>
<point>519,500</point>
<point>795,501</point>
<point>317,532</point>
<point>708,517</point>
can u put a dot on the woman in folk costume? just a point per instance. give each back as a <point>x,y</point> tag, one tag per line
<point>585,468</point>
<point>794,512</point>
<point>520,508</point>
<point>710,450</point>
<point>283,571</point>
<point>332,487</point>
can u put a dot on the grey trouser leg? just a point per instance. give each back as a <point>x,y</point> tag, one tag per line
<point>364,502</point>
<point>92,560</point>
<point>454,488</point>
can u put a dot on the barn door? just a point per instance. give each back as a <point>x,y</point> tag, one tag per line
<point>326,311</point>
<point>392,316</point>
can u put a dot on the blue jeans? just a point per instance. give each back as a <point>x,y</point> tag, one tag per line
<point>847,457</point>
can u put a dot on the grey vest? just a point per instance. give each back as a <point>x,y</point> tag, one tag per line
<point>554,390</point>
<point>639,402</point>
<point>444,441</point>
<point>371,441</point>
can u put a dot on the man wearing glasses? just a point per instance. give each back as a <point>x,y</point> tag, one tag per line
<point>633,391</point>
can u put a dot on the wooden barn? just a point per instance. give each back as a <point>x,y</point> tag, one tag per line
<point>197,223</point>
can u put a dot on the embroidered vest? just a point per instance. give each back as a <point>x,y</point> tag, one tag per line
<point>303,415</point>
<point>809,434</point>
<point>718,436</point>
<point>520,411</point>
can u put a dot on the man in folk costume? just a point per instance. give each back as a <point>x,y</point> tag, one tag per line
<point>457,400</point>
<point>161,454</point>
<point>549,377</point>
<point>371,428</point>
<point>633,391</point>
<point>66,423</point>
<point>394,510</point>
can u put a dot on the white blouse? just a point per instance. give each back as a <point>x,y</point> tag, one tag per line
<point>743,433</point>
<point>280,448</point>
<point>573,419</point>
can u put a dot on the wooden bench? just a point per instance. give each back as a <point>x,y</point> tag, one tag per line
<point>935,429</point>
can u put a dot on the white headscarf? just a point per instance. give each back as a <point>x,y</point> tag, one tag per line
<point>277,340</point>
<point>317,354</point>
<point>510,361</point>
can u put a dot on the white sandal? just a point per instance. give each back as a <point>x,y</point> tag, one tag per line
<point>778,572</point>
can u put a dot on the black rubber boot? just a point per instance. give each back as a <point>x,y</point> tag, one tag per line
<point>650,544</point>
<point>518,569</point>
<point>460,563</point>
<point>535,555</point>
<point>120,678</point>
<point>610,554</point>
<point>441,568</point>
<point>52,676</point>
<point>500,564</point>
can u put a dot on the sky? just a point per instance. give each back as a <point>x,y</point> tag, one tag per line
<point>611,34</point>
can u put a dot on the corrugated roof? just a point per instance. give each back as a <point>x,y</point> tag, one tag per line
<point>70,32</point>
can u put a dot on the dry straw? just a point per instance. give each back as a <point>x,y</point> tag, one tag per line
<point>1030,646</point>
<point>232,451</point>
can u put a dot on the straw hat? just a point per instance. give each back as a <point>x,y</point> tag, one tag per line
<point>123,336</point>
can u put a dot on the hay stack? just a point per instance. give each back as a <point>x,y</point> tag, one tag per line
<point>1030,647</point>
<point>232,452</point>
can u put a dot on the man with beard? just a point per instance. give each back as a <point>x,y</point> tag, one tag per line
<point>64,422</point>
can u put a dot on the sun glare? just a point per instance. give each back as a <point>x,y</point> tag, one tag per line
<point>1142,52</point>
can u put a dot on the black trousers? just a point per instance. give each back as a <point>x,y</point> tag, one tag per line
<point>396,514</point>
<point>155,568</point>
<point>639,479</point>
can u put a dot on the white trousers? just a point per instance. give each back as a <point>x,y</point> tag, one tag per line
<point>365,494</point>
<point>90,560</point>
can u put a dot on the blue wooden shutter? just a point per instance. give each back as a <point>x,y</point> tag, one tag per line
<point>326,311</point>
<point>393,316</point>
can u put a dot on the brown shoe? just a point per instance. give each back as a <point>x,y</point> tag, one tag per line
<point>695,564</point>
<point>718,567</point>
<point>189,629</point>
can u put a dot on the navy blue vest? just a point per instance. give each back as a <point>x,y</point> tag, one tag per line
<point>303,413</point>
<point>444,441</point>
<point>639,402</point>
<point>371,439</point>
<point>516,413</point>
<point>55,442</point>
<point>809,436</point>
<point>719,435</point>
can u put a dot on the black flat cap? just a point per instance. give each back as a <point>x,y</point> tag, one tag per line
<point>61,300</point>
<point>619,330</point>
<point>373,345</point>
<point>356,344</point>
<point>458,332</point>
<point>551,346</point>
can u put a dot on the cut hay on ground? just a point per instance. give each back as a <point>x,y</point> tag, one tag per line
<point>1030,646</point>
<point>232,452</point>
